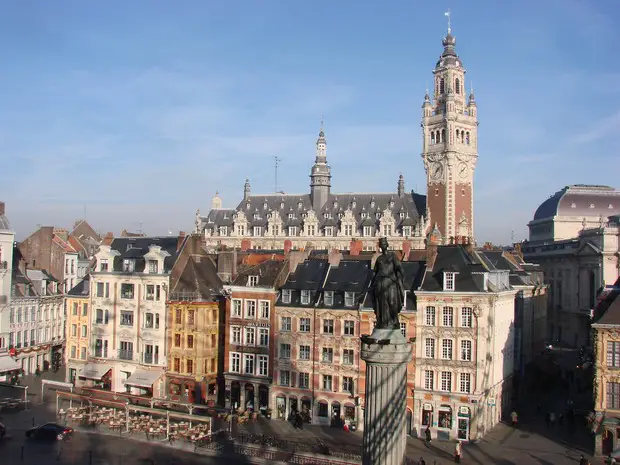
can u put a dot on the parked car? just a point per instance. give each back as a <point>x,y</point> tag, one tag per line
<point>50,432</point>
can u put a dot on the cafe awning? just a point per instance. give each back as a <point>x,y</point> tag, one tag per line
<point>7,364</point>
<point>94,371</point>
<point>144,378</point>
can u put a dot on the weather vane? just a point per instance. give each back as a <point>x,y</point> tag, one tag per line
<point>447,13</point>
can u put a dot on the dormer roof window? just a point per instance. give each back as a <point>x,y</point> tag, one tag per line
<point>103,264</point>
<point>128,265</point>
<point>449,278</point>
<point>153,266</point>
<point>253,280</point>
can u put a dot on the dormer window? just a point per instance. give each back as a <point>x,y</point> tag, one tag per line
<point>281,204</point>
<point>378,215</point>
<point>353,204</point>
<point>128,265</point>
<point>286,296</point>
<point>329,298</point>
<point>349,299</point>
<point>299,205</point>
<point>391,204</point>
<point>256,216</point>
<point>573,205</point>
<point>153,266</point>
<point>372,204</point>
<point>364,215</point>
<point>448,280</point>
<point>591,205</point>
<point>335,204</point>
<point>252,281</point>
<point>103,264</point>
<point>291,216</point>
<point>610,206</point>
<point>305,297</point>
<point>406,231</point>
<point>265,206</point>
<point>402,215</point>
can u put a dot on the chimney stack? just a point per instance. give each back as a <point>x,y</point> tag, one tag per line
<point>180,240</point>
<point>2,208</point>
<point>469,246</point>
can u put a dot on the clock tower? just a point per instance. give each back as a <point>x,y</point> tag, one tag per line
<point>450,147</point>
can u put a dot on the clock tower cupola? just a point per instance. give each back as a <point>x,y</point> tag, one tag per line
<point>450,147</point>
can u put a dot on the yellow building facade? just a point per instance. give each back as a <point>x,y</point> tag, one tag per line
<point>193,341</point>
<point>77,305</point>
<point>606,344</point>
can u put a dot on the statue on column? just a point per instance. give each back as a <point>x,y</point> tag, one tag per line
<point>388,288</point>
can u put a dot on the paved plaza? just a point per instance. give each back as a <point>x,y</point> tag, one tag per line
<point>531,443</point>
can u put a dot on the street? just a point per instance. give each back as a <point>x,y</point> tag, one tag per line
<point>532,442</point>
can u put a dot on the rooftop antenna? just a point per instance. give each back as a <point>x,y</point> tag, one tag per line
<point>449,15</point>
<point>140,227</point>
<point>277,161</point>
<point>512,237</point>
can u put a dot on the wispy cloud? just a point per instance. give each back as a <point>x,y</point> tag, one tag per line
<point>607,126</point>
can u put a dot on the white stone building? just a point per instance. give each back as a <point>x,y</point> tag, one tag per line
<point>7,240</point>
<point>465,350</point>
<point>129,288</point>
<point>575,238</point>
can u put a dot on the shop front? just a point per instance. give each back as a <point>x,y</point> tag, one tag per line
<point>141,382</point>
<point>96,375</point>
<point>447,418</point>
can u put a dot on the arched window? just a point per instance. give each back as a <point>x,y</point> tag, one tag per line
<point>467,138</point>
<point>457,86</point>
<point>443,135</point>
<point>458,135</point>
<point>441,86</point>
<point>432,137</point>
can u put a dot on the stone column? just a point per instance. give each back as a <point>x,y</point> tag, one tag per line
<point>386,353</point>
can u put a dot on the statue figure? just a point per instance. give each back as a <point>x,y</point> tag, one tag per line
<point>388,288</point>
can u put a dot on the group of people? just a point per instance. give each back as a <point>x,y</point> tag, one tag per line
<point>458,448</point>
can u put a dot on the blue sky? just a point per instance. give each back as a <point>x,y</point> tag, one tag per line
<point>137,112</point>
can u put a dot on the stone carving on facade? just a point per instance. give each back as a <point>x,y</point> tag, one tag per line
<point>240,222</point>
<point>463,229</point>
<point>311,222</point>
<point>387,220</point>
<point>347,220</point>
<point>274,223</point>
<point>198,222</point>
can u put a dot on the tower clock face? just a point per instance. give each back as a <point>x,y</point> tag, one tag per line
<point>436,171</point>
<point>462,170</point>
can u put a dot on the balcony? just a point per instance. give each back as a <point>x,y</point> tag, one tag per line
<point>125,354</point>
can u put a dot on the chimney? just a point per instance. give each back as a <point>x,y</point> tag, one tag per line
<point>431,255</point>
<point>469,246</point>
<point>2,208</point>
<point>180,240</point>
<point>334,257</point>
<point>295,257</point>
<point>288,245</point>
<point>227,265</point>
<point>355,247</point>
<point>246,244</point>
<point>406,250</point>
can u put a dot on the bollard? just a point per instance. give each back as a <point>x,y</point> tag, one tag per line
<point>22,454</point>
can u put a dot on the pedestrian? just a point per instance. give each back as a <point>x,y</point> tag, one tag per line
<point>583,460</point>
<point>458,452</point>
<point>421,461</point>
<point>514,418</point>
<point>552,418</point>
<point>428,435</point>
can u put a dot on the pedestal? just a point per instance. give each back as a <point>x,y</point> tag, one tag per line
<point>386,353</point>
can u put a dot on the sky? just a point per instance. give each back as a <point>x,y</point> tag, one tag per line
<point>133,114</point>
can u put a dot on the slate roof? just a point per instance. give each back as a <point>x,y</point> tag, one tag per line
<point>137,247</point>
<point>611,315</point>
<point>367,209</point>
<point>198,280</point>
<point>347,276</point>
<point>309,275</point>
<point>81,289</point>
<point>21,285</point>
<point>456,259</point>
<point>582,196</point>
<point>268,273</point>
<point>605,303</point>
